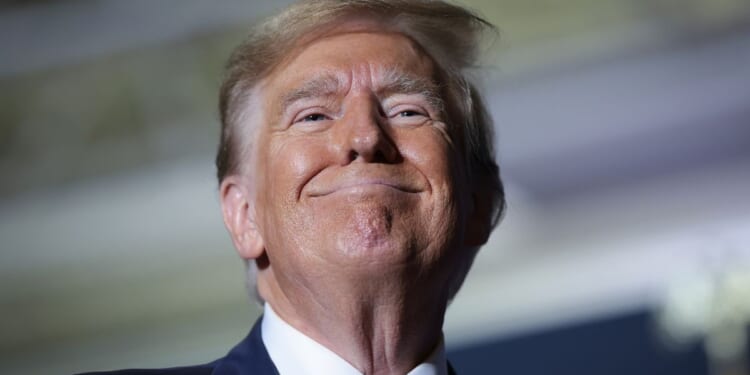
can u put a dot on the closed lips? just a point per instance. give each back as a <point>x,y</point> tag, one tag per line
<point>320,186</point>
<point>366,183</point>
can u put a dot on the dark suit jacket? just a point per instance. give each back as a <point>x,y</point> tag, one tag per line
<point>249,357</point>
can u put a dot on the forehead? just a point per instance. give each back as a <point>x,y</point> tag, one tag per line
<point>354,57</point>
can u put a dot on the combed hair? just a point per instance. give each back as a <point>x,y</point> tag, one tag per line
<point>449,34</point>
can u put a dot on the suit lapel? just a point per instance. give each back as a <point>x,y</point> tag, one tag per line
<point>451,371</point>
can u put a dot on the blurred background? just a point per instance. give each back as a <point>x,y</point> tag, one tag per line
<point>623,133</point>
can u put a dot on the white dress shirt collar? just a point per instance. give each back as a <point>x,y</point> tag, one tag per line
<point>294,353</point>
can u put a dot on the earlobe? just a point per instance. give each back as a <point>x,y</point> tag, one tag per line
<point>238,209</point>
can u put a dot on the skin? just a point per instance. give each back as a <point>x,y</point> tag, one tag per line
<point>355,204</point>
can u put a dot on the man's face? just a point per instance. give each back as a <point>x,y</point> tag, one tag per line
<point>355,173</point>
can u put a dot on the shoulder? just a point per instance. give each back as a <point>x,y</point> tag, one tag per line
<point>187,370</point>
<point>248,357</point>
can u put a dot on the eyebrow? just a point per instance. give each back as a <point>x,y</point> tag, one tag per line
<point>395,81</point>
<point>323,85</point>
<point>400,82</point>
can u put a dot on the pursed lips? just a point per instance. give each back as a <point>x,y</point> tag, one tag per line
<point>362,183</point>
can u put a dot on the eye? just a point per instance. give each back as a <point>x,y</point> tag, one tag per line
<point>409,113</point>
<point>314,117</point>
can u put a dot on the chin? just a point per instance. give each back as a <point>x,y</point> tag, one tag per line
<point>365,225</point>
<point>367,244</point>
<point>368,231</point>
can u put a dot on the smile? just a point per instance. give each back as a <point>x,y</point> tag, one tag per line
<point>364,186</point>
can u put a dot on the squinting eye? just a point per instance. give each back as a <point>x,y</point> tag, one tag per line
<point>315,117</point>
<point>408,113</point>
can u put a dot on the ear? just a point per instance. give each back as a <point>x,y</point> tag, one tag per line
<point>479,220</point>
<point>238,209</point>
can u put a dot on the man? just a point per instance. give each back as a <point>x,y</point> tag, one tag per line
<point>357,180</point>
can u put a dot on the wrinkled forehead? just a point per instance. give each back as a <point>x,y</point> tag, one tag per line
<point>375,51</point>
<point>381,62</point>
<point>351,24</point>
<point>347,60</point>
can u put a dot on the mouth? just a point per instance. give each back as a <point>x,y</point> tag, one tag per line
<point>363,185</point>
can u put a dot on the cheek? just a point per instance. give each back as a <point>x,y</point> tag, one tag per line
<point>435,157</point>
<point>432,155</point>
<point>289,164</point>
<point>292,163</point>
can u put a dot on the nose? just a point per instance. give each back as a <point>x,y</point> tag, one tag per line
<point>361,134</point>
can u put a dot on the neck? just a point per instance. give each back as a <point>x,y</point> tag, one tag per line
<point>378,330</point>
